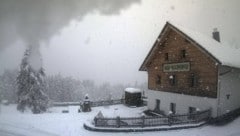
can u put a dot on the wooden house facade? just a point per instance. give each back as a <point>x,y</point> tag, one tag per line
<point>188,71</point>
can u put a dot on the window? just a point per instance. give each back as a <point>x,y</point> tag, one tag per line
<point>158,79</point>
<point>183,54</point>
<point>166,56</point>
<point>228,96</point>
<point>193,80</point>
<point>172,80</point>
<point>173,108</point>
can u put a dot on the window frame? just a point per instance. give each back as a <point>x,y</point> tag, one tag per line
<point>166,56</point>
<point>183,53</point>
<point>193,80</point>
<point>158,80</point>
<point>173,80</point>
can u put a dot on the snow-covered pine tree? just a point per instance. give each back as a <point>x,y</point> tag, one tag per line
<point>31,87</point>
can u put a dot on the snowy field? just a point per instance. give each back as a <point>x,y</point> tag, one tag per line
<point>56,123</point>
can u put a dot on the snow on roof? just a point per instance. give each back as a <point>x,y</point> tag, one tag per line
<point>225,54</point>
<point>133,90</point>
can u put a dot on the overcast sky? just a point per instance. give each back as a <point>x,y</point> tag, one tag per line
<point>104,40</point>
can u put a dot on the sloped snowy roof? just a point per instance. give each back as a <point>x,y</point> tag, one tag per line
<point>225,54</point>
<point>133,90</point>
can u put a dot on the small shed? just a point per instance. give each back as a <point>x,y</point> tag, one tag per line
<point>133,97</point>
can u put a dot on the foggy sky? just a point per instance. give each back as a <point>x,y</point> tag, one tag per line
<point>104,40</point>
<point>36,21</point>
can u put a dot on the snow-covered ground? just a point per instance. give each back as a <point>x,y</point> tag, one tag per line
<point>56,123</point>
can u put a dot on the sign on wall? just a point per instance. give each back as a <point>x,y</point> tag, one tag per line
<point>176,67</point>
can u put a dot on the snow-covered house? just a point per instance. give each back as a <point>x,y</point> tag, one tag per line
<point>189,71</point>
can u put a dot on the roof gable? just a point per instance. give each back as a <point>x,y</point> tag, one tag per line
<point>221,54</point>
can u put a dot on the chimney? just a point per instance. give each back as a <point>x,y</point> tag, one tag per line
<point>216,34</point>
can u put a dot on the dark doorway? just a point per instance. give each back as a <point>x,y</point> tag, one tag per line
<point>157,107</point>
<point>191,111</point>
<point>173,107</point>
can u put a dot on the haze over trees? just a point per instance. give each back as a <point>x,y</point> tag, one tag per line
<point>66,89</point>
<point>8,86</point>
<point>33,89</point>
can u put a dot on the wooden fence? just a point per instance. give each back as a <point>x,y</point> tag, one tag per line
<point>60,104</point>
<point>92,104</point>
<point>106,102</point>
<point>153,121</point>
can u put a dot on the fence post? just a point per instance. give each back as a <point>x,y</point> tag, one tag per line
<point>169,119</point>
<point>143,121</point>
<point>209,114</point>
<point>118,121</point>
